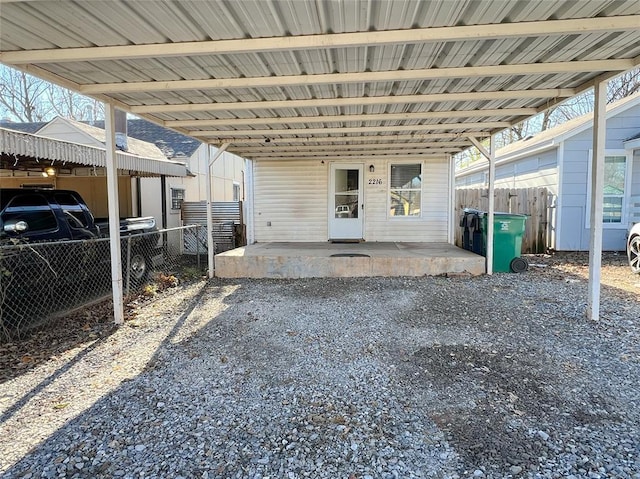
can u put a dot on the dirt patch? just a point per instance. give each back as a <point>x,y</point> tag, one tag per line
<point>616,274</point>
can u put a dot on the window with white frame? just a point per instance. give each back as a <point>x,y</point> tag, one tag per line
<point>177,197</point>
<point>615,171</point>
<point>405,190</point>
<point>616,179</point>
<point>236,191</point>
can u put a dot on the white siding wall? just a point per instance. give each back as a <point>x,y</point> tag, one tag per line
<point>226,170</point>
<point>290,201</point>
<point>63,131</point>
<point>293,197</point>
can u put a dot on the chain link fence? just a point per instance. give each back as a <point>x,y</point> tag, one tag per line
<point>42,282</point>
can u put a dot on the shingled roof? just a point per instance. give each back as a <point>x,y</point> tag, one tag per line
<point>23,127</point>
<point>173,144</point>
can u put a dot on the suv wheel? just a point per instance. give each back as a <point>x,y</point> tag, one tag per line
<point>139,269</point>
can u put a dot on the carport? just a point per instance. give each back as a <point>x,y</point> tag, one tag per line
<point>333,79</point>
<point>37,161</point>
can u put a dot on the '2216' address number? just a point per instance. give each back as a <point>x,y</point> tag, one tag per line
<point>375,181</point>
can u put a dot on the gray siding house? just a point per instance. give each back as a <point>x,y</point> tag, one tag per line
<point>560,160</point>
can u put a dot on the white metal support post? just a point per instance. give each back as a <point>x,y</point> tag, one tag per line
<point>451,235</point>
<point>114,215</point>
<point>492,202</point>
<point>491,156</point>
<point>210,245</point>
<point>596,200</point>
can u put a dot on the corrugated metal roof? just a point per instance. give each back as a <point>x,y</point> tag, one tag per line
<point>19,148</point>
<point>200,60</point>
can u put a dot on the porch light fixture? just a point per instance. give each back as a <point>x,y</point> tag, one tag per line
<point>372,168</point>
<point>50,171</point>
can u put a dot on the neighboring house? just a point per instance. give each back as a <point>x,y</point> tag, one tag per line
<point>28,160</point>
<point>150,140</point>
<point>227,172</point>
<point>380,200</point>
<point>560,160</point>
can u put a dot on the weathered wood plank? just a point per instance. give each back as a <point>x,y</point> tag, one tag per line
<point>533,202</point>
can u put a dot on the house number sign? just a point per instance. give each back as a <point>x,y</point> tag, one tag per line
<point>375,181</point>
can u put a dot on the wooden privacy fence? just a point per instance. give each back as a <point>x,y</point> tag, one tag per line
<point>536,203</point>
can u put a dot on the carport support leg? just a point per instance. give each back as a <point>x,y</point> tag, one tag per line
<point>491,198</point>
<point>114,214</point>
<point>597,191</point>
<point>491,156</point>
<point>210,245</point>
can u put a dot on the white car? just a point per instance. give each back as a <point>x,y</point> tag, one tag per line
<point>633,248</point>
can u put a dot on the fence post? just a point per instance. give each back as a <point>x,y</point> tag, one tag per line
<point>197,236</point>
<point>126,290</point>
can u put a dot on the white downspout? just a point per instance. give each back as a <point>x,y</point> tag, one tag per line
<point>114,214</point>
<point>210,245</point>
<point>597,191</point>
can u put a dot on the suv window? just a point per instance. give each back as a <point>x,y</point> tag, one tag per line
<point>72,210</point>
<point>34,209</point>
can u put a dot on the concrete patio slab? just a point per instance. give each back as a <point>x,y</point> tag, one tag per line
<point>325,260</point>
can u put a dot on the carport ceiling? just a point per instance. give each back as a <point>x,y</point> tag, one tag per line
<point>326,78</point>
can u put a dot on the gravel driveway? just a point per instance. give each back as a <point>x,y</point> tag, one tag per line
<point>492,377</point>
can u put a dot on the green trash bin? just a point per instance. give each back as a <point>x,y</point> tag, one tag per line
<point>508,230</point>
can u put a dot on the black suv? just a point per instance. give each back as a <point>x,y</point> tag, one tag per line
<point>45,215</point>
<point>54,256</point>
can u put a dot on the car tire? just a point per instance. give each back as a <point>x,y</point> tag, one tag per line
<point>633,252</point>
<point>139,269</point>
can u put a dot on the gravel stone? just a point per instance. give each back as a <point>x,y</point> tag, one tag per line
<point>366,378</point>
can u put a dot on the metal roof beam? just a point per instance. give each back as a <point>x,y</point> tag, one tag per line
<point>399,149</point>
<point>313,131</point>
<point>353,118</point>
<point>370,100</point>
<point>336,157</point>
<point>337,140</point>
<point>324,41</point>
<point>270,147</point>
<point>362,77</point>
<point>481,148</point>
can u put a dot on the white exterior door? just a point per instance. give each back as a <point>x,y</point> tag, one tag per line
<point>346,205</point>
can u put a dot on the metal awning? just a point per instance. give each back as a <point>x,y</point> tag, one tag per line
<point>318,79</point>
<point>24,151</point>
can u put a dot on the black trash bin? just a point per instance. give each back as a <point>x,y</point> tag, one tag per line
<point>472,239</point>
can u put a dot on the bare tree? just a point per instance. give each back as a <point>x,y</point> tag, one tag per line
<point>69,104</point>
<point>624,85</point>
<point>23,97</point>
<point>28,99</point>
